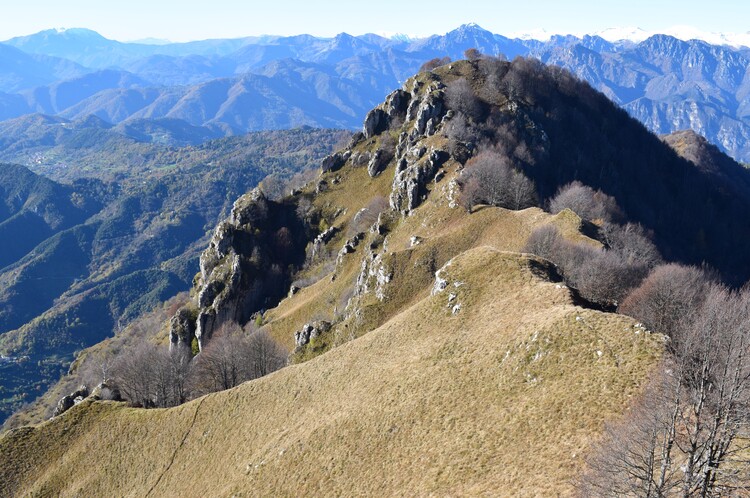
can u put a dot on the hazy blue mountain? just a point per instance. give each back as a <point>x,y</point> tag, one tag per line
<point>233,86</point>
<point>20,70</point>
<point>669,85</point>
<point>88,48</point>
<point>56,98</point>
<point>454,43</point>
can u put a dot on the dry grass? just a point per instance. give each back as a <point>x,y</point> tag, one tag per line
<point>501,399</point>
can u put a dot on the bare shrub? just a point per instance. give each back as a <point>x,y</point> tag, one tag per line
<point>434,64</point>
<point>586,202</point>
<point>669,298</point>
<point>632,242</point>
<point>152,377</point>
<point>368,215</point>
<point>491,179</point>
<point>600,276</point>
<point>305,209</point>
<point>543,242</point>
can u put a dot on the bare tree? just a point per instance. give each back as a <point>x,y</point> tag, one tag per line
<point>434,64</point>
<point>265,354</point>
<point>698,417</point>
<point>472,54</point>
<point>634,457</point>
<point>669,298</point>
<point>233,357</point>
<point>491,179</point>
<point>632,242</point>
<point>461,98</point>
<point>544,242</point>
<point>713,414</point>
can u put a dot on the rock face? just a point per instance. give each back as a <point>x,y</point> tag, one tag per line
<point>411,180</point>
<point>310,331</point>
<point>375,122</point>
<point>335,161</point>
<point>244,269</point>
<point>378,162</point>
<point>69,401</point>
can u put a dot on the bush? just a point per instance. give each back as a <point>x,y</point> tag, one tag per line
<point>586,202</point>
<point>434,64</point>
<point>632,242</point>
<point>601,276</point>
<point>669,297</point>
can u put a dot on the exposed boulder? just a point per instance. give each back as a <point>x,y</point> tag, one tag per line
<point>69,401</point>
<point>336,161</point>
<point>322,239</point>
<point>410,181</point>
<point>106,391</point>
<point>349,247</point>
<point>397,103</point>
<point>310,331</point>
<point>181,328</point>
<point>430,112</point>
<point>378,162</point>
<point>376,122</point>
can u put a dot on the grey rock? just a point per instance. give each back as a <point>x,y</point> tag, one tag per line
<point>334,162</point>
<point>69,401</point>
<point>376,122</point>
<point>311,331</point>
<point>181,328</point>
<point>378,163</point>
<point>397,103</point>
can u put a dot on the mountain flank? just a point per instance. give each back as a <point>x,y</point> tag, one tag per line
<point>431,352</point>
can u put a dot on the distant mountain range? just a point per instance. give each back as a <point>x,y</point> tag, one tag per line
<point>238,85</point>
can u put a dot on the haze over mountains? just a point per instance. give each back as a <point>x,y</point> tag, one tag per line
<point>233,86</point>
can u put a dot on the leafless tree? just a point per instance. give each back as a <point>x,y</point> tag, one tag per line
<point>434,64</point>
<point>490,178</point>
<point>544,242</point>
<point>233,357</point>
<point>265,354</point>
<point>150,376</point>
<point>697,418</point>
<point>472,54</point>
<point>461,98</point>
<point>632,242</point>
<point>634,457</point>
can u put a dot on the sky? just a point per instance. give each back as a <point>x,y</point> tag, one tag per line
<point>186,20</point>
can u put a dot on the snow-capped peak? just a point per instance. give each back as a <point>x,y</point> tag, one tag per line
<point>684,33</point>
<point>633,34</point>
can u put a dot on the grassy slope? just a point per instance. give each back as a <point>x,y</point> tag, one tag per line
<point>516,384</point>
<point>423,402</point>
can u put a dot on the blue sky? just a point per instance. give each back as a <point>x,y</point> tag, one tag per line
<point>199,19</point>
